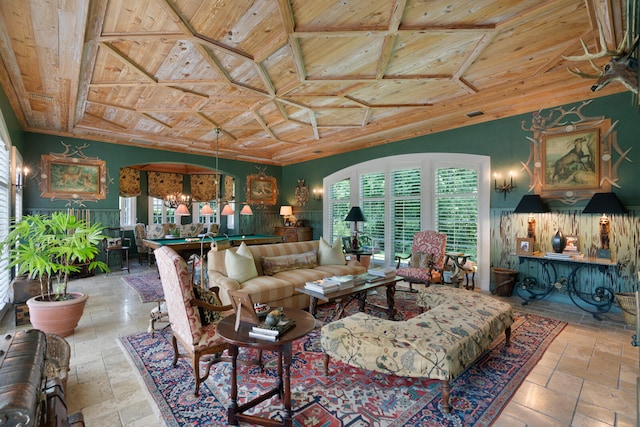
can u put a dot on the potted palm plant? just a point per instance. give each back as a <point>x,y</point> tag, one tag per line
<point>49,249</point>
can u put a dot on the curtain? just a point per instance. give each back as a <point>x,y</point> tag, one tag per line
<point>203,188</point>
<point>129,182</point>
<point>162,183</point>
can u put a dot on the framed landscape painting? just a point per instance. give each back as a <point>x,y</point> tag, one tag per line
<point>261,190</point>
<point>73,178</point>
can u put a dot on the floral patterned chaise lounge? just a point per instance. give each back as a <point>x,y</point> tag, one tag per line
<point>437,344</point>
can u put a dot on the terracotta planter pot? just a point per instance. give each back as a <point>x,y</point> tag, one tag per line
<point>57,317</point>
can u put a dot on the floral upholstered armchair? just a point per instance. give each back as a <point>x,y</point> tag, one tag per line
<point>193,318</point>
<point>426,261</point>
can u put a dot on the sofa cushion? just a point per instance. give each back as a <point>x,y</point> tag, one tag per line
<point>341,270</point>
<point>265,289</point>
<point>239,264</point>
<point>275,264</point>
<point>207,316</point>
<point>330,255</point>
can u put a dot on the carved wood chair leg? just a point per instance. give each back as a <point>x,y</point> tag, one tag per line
<point>174,341</point>
<point>507,336</point>
<point>445,388</point>
<point>326,364</point>
<point>196,373</point>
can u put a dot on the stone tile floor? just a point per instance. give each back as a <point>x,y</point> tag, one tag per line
<point>588,376</point>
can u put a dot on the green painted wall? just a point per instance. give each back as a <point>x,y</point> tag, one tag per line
<point>504,140</point>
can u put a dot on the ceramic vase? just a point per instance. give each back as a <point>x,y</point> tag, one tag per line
<point>558,242</point>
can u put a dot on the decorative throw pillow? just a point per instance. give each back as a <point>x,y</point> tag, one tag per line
<point>330,255</point>
<point>275,264</point>
<point>422,260</point>
<point>240,265</point>
<point>207,317</point>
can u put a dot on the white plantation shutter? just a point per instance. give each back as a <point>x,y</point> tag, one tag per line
<point>5,212</point>
<point>406,191</point>
<point>372,195</point>
<point>339,205</point>
<point>456,208</point>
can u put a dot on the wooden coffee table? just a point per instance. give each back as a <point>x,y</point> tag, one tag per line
<point>305,323</point>
<point>344,297</point>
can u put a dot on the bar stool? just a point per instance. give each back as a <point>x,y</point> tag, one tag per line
<point>119,246</point>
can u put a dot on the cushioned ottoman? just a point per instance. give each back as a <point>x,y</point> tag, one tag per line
<point>438,344</point>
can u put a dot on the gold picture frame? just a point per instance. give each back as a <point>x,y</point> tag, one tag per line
<point>261,190</point>
<point>571,160</point>
<point>72,178</point>
<point>524,246</point>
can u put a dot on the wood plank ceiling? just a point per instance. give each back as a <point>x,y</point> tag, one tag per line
<point>289,80</point>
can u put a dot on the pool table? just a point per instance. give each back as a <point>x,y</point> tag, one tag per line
<point>193,245</point>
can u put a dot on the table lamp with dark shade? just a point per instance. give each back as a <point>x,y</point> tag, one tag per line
<point>604,203</point>
<point>355,215</point>
<point>530,204</point>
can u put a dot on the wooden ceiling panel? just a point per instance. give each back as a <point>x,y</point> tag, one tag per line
<point>142,17</point>
<point>338,14</point>
<point>341,57</point>
<point>407,92</point>
<point>249,26</point>
<point>447,13</point>
<point>289,80</point>
<point>431,53</point>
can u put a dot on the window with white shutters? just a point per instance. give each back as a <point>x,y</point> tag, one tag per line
<point>339,196</point>
<point>456,208</point>
<point>406,191</point>
<point>5,212</point>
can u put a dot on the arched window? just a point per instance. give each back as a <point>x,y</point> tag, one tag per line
<point>400,195</point>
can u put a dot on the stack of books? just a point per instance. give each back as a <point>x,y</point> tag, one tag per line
<point>343,282</point>
<point>383,273</point>
<point>555,255</point>
<point>271,333</point>
<point>322,286</point>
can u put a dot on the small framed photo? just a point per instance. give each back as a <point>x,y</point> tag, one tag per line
<point>524,246</point>
<point>242,304</point>
<point>346,244</point>
<point>573,244</point>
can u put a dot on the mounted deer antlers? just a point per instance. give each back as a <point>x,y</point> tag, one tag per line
<point>622,66</point>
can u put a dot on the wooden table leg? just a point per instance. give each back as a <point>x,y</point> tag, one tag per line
<point>288,413</point>
<point>391,301</point>
<point>232,411</point>
<point>313,305</point>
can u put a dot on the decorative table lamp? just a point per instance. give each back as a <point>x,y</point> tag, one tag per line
<point>530,204</point>
<point>286,212</point>
<point>355,215</point>
<point>604,203</point>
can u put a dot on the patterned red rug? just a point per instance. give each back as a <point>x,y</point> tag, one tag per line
<point>347,396</point>
<point>147,285</point>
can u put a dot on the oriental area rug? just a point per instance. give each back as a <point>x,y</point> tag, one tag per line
<point>347,396</point>
<point>147,285</point>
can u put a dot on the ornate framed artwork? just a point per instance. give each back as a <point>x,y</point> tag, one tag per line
<point>72,178</point>
<point>261,190</point>
<point>572,155</point>
<point>524,246</point>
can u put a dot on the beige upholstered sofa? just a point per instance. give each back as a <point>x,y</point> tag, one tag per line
<point>279,269</point>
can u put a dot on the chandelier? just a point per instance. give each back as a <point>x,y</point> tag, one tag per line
<point>173,201</point>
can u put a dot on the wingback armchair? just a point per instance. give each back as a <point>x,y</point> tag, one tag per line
<point>193,321</point>
<point>426,261</point>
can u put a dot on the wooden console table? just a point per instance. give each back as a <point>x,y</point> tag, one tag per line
<point>597,300</point>
<point>294,234</point>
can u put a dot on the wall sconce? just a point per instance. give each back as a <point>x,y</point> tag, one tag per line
<point>21,176</point>
<point>317,193</point>
<point>505,187</point>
